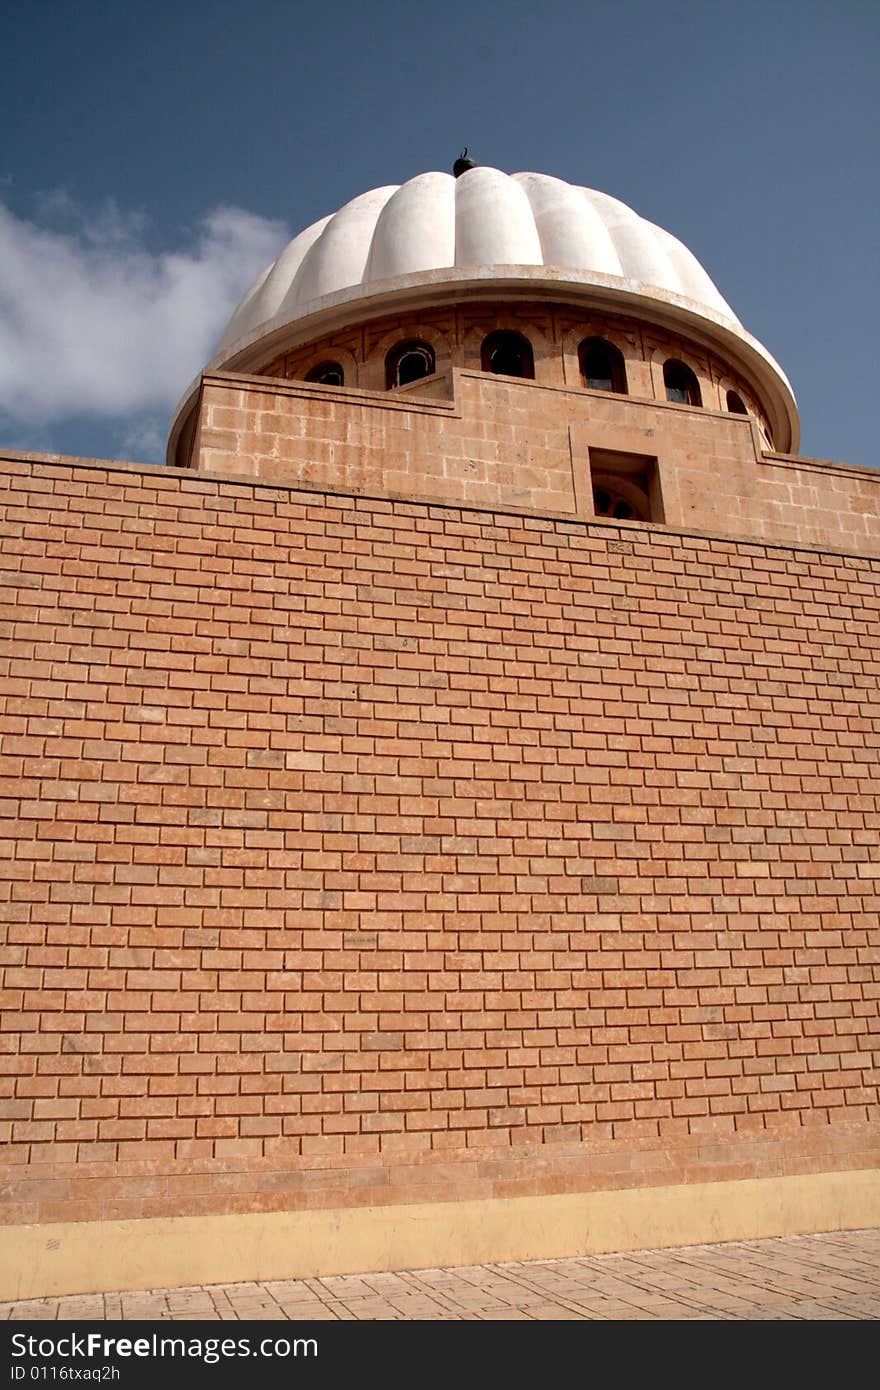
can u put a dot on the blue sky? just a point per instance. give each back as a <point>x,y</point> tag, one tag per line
<point>157,157</point>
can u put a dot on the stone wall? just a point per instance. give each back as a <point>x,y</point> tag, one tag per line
<point>497,442</point>
<point>554,332</point>
<point>369,851</point>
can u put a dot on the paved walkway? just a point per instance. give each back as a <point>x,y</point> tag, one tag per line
<point>814,1277</point>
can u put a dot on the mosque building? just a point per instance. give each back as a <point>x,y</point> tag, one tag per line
<point>443,804</point>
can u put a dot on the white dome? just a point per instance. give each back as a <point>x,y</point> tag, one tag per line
<point>440,240</point>
<point>481,221</point>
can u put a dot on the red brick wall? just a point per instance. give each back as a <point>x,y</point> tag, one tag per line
<point>369,851</point>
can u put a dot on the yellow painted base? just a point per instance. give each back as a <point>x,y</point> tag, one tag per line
<point>91,1257</point>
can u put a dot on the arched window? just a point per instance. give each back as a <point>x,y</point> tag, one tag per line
<point>409,362</point>
<point>507,354</point>
<point>327,374</point>
<point>681,385</point>
<point>602,367</point>
<point>621,500</point>
<point>735,403</point>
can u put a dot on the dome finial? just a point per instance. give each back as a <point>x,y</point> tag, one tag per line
<point>463,163</point>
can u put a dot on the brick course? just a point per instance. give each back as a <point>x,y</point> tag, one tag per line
<point>373,850</point>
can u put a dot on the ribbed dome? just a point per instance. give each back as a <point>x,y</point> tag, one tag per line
<point>483,220</point>
<point>486,236</point>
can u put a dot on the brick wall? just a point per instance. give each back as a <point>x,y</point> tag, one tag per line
<point>368,851</point>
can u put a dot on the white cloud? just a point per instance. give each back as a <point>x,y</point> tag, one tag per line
<point>93,321</point>
<point>143,437</point>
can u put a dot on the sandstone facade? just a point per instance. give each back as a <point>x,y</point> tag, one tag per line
<point>442,819</point>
